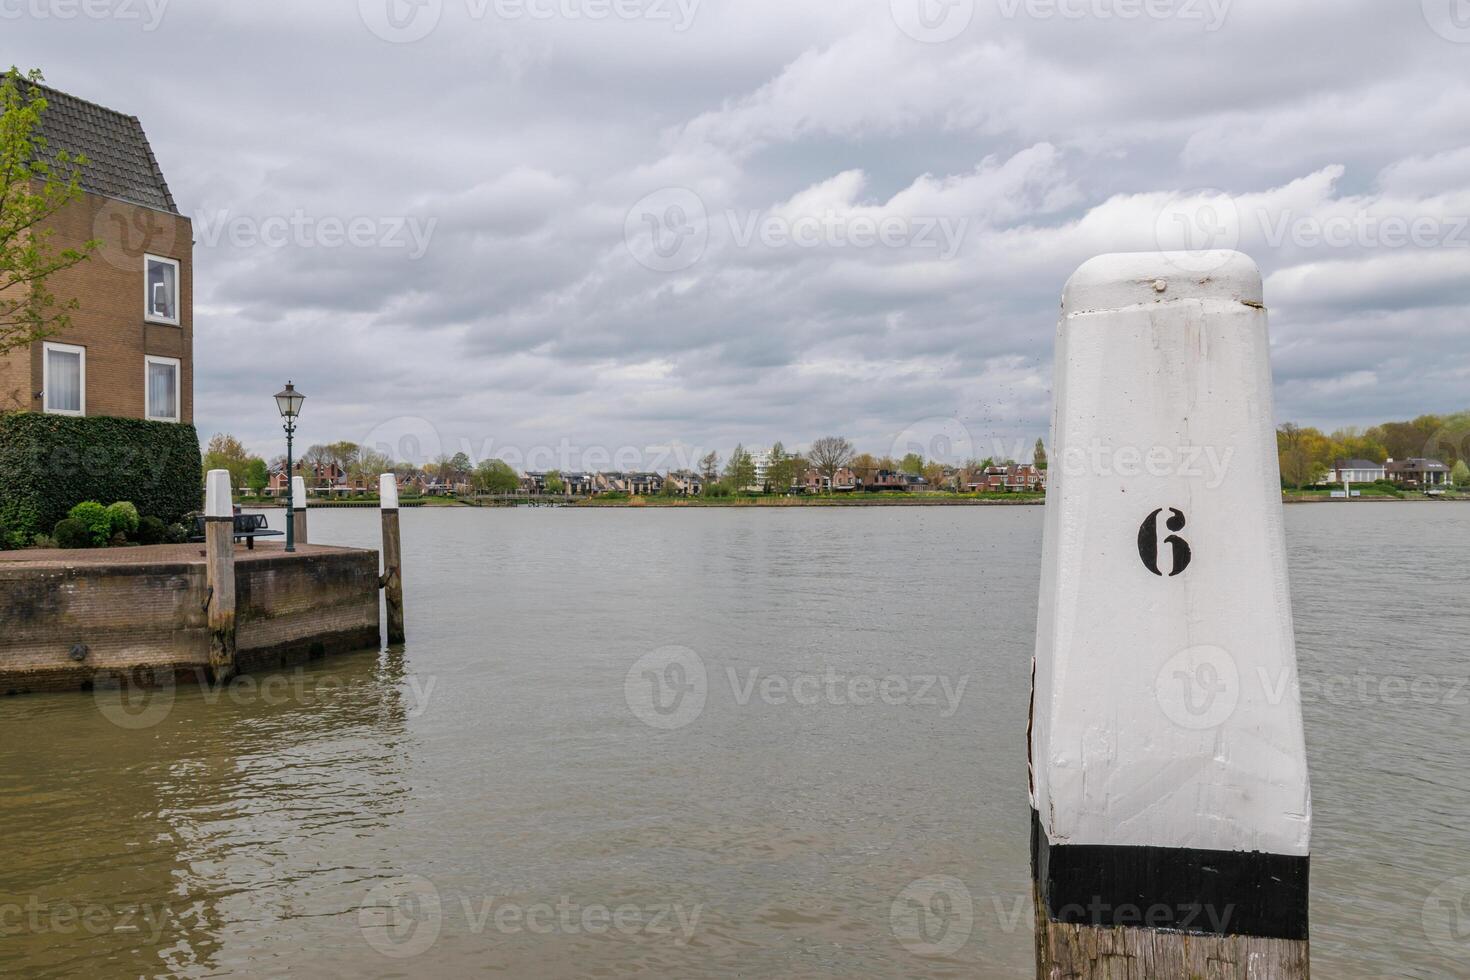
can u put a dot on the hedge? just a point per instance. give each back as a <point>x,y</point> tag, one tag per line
<point>51,463</point>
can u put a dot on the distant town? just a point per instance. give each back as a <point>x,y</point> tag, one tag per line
<point>1390,457</point>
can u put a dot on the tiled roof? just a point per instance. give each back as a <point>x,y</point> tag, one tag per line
<point>120,163</point>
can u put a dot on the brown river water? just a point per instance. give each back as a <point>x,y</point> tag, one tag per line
<point>699,743</point>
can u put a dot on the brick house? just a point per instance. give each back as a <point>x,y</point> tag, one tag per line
<point>129,349</point>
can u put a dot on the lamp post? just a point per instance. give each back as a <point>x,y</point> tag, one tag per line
<point>289,403</point>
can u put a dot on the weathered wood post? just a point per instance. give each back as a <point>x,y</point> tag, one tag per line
<point>298,494</point>
<point>1171,812</point>
<point>219,564</point>
<point>392,556</point>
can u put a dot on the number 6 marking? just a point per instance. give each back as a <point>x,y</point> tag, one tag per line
<point>1148,542</point>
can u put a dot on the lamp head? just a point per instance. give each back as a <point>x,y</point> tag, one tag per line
<point>288,401</point>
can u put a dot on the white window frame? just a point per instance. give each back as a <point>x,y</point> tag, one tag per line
<point>178,366</point>
<point>46,349</point>
<point>148,313</point>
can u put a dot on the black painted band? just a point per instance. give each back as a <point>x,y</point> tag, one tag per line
<point>1179,889</point>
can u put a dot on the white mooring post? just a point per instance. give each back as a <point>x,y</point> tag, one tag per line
<point>1171,810</point>
<point>392,556</point>
<point>298,501</point>
<point>219,571</point>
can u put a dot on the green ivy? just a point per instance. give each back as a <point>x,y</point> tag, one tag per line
<point>51,463</point>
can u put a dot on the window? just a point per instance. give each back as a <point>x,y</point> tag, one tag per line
<point>161,301</point>
<point>161,388</point>
<point>64,379</point>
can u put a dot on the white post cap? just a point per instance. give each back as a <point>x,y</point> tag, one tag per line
<point>218,502</point>
<point>388,491</point>
<point>298,492</point>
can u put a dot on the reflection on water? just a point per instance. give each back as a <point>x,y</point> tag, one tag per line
<point>692,743</point>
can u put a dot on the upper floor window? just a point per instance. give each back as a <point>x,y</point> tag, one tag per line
<point>64,379</point>
<point>161,302</point>
<point>161,388</point>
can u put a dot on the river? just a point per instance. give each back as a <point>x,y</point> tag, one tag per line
<point>698,743</point>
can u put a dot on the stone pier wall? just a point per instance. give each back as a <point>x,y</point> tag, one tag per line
<point>140,612</point>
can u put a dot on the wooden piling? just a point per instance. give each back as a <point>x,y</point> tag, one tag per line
<point>219,553</point>
<point>1171,812</point>
<point>392,556</point>
<point>298,516</point>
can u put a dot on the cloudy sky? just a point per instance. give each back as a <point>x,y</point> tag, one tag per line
<point>523,227</point>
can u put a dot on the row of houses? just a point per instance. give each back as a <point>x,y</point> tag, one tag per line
<point>1415,473</point>
<point>331,480</point>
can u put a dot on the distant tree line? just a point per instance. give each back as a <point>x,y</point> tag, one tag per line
<point>1306,453</point>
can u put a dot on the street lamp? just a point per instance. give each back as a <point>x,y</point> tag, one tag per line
<point>289,403</point>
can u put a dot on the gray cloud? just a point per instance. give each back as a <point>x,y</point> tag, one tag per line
<point>525,144</point>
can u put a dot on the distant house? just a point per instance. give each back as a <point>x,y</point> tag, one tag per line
<point>1417,472</point>
<point>129,351</point>
<point>1011,478</point>
<point>685,483</point>
<point>846,480</point>
<point>1355,471</point>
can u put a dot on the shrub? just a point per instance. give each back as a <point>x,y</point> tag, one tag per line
<point>124,517</point>
<point>94,517</point>
<point>50,463</point>
<point>72,533</point>
<point>44,541</point>
<point>176,534</point>
<point>151,530</point>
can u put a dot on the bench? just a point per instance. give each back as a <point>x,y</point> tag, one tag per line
<point>248,527</point>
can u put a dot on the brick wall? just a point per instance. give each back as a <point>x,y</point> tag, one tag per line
<point>146,619</point>
<point>110,322</point>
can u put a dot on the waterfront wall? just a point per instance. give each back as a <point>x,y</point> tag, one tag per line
<point>146,617</point>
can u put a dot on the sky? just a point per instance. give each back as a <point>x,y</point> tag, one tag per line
<point>621,233</point>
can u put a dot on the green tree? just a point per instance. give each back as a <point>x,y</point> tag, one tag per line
<point>1304,454</point>
<point>225,452</point>
<point>740,471</point>
<point>912,463</point>
<point>257,475</point>
<point>1460,473</point>
<point>369,464</point>
<point>496,476</point>
<point>554,483</point>
<point>35,184</point>
<point>781,470</point>
<point>1038,455</point>
<point>343,454</point>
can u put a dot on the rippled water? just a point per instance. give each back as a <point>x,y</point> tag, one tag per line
<point>507,794</point>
